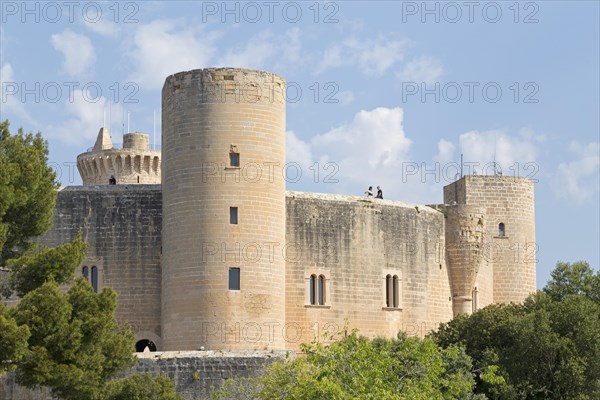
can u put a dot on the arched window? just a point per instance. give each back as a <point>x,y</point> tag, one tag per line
<point>313,290</point>
<point>501,230</point>
<point>86,273</point>
<point>396,291</point>
<point>321,290</point>
<point>141,345</point>
<point>95,279</point>
<point>389,291</point>
<point>392,291</point>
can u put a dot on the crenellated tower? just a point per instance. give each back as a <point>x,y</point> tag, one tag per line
<point>134,163</point>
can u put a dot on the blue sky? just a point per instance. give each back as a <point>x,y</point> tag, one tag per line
<point>388,93</point>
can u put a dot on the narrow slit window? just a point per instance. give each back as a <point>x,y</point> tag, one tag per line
<point>313,290</point>
<point>233,215</point>
<point>396,286</point>
<point>321,290</point>
<point>95,279</point>
<point>501,230</point>
<point>389,290</point>
<point>234,159</point>
<point>85,271</point>
<point>234,279</point>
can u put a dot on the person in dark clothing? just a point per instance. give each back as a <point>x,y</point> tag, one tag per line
<point>379,193</point>
<point>369,191</point>
<point>112,180</point>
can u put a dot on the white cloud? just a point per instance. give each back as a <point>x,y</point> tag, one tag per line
<point>161,48</point>
<point>513,154</point>
<point>10,97</point>
<point>345,97</point>
<point>78,51</point>
<point>265,50</point>
<point>104,27</point>
<point>421,69</point>
<point>368,151</point>
<point>445,151</point>
<point>579,179</point>
<point>297,151</point>
<point>85,120</point>
<point>373,56</point>
<point>253,54</point>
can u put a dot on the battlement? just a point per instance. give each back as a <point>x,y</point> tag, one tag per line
<point>227,85</point>
<point>135,163</point>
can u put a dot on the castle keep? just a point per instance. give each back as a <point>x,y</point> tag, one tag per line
<point>220,257</point>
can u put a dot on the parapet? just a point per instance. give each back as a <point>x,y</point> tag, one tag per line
<point>227,86</point>
<point>135,163</point>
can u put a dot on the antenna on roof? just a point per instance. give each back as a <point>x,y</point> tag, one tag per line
<point>495,172</point>
<point>154,129</point>
<point>128,130</point>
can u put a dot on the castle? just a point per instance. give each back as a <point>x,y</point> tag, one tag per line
<point>220,257</point>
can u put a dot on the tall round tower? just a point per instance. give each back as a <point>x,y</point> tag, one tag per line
<point>223,149</point>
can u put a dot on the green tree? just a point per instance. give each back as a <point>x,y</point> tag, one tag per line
<point>546,348</point>
<point>27,191</point>
<point>75,344</point>
<point>69,341</point>
<point>13,340</point>
<point>142,387</point>
<point>570,279</point>
<point>356,367</point>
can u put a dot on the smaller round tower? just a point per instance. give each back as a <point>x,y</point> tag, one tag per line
<point>135,163</point>
<point>465,237</point>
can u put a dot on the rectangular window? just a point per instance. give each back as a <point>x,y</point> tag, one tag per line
<point>313,289</point>
<point>234,159</point>
<point>95,279</point>
<point>234,279</point>
<point>321,290</point>
<point>233,215</point>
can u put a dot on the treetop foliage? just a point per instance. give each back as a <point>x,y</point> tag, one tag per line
<point>546,348</point>
<point>27,191</point>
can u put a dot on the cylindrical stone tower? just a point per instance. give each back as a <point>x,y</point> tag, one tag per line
<point>223,148</point>
<point>465,245</point>
<point>511,249</point>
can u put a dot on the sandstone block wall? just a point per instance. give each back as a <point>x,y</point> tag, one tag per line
<point>355,243</point>
<point>195,374</point>
<point>122,226</point>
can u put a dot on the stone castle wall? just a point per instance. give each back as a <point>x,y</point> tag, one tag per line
<point>355,243</point>
<point>195,374</point>
<point>122,226</point>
